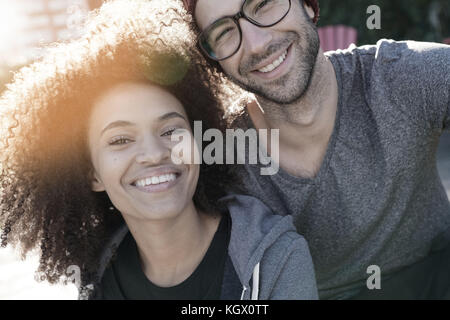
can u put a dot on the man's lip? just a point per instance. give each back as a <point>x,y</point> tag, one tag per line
<point>271,60</point>
<point>155,173</point>
<point>279,71</point>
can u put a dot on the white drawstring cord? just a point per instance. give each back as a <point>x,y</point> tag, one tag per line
<point>243,292</point>
<point>255,289</point>
<point>255,286</point>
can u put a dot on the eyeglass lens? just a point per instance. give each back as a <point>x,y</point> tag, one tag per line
<point>222,39</point>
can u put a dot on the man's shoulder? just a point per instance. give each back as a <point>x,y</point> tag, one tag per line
<point>390,53</point>
<point>411,77</point>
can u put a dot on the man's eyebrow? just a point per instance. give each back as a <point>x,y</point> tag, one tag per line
<point>116,124</point>
<point>171,115</point>
<point>222,20</point>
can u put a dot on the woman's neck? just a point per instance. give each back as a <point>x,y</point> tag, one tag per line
<point>170,250</point>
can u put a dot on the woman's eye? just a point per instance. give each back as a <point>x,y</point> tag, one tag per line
<point>168,132</point>
<point>119,141</point>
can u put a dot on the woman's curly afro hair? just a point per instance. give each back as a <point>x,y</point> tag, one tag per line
<point>46,198</point>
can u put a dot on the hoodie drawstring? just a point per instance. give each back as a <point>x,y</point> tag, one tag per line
<point>243,292</point>
<point>255,286</point>
<point>255,289</point>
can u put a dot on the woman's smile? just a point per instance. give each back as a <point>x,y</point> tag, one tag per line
<point>158,181</point>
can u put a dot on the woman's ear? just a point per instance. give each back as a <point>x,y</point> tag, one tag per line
<point>96,182</point>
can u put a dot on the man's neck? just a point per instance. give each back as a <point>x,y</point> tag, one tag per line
<point>305,125</point>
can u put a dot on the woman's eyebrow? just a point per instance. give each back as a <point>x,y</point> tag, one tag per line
<point>115,124</point>
<point>171,115</point>
<point>122,123</point>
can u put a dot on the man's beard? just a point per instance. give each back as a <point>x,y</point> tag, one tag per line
<point>292,86</point>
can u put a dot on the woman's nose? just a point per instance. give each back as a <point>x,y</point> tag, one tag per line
<point>152,152</point>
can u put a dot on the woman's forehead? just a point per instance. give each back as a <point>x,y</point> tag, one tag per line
<point>139,101</point>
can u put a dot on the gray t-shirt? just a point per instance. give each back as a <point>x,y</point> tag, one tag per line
<point>377,199</point>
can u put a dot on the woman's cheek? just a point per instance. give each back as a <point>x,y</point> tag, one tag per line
<point>111,168</point>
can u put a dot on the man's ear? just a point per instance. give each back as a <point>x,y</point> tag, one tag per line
<point>96,182</point>
<point>309,10</point>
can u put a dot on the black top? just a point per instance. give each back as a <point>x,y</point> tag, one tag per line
<point>124,278</point>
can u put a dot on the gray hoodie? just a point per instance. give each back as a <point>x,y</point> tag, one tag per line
<point>267,258</point>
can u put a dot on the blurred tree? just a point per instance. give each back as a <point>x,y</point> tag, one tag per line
<point>421,20</point>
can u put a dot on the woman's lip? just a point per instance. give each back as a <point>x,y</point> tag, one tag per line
<point>153,188</point>
<point>278,70</point>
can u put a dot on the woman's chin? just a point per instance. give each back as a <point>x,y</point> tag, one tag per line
<point>161,210</point>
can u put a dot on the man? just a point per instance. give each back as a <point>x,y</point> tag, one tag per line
<point>359,130</point>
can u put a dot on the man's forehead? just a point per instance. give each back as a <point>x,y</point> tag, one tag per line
<point>208,11</point>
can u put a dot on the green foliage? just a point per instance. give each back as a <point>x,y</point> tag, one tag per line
<point>420,20</point>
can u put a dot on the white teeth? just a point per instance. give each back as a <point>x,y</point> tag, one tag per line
<point>156,180</point>
<point>274,64</point>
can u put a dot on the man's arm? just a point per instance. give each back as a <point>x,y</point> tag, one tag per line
<point>418,76</point>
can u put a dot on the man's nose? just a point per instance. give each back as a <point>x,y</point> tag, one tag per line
<point>255,40</point>
<point>152,151</point>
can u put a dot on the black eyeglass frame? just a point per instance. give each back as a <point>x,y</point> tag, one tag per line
<point>235,18</point>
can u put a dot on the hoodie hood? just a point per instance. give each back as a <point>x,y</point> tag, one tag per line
<point>254,230</point>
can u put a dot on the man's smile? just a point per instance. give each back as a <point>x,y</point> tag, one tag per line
<point>276,66</point>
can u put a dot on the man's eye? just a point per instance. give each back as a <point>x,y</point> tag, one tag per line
<point>261,5</point>
<point>223,34</point>
<point>119,141</point>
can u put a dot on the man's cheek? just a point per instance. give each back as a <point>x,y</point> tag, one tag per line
<point>230,66</point>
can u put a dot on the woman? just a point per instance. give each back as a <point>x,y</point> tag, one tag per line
<point>89,175</point>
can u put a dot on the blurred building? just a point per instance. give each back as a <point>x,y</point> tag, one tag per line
<point>36,23</point>
<point>94,4</point>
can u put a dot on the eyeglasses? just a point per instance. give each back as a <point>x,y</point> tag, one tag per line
<point>223,38</point>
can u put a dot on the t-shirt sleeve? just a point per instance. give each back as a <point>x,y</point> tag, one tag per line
<point>418,77</point>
